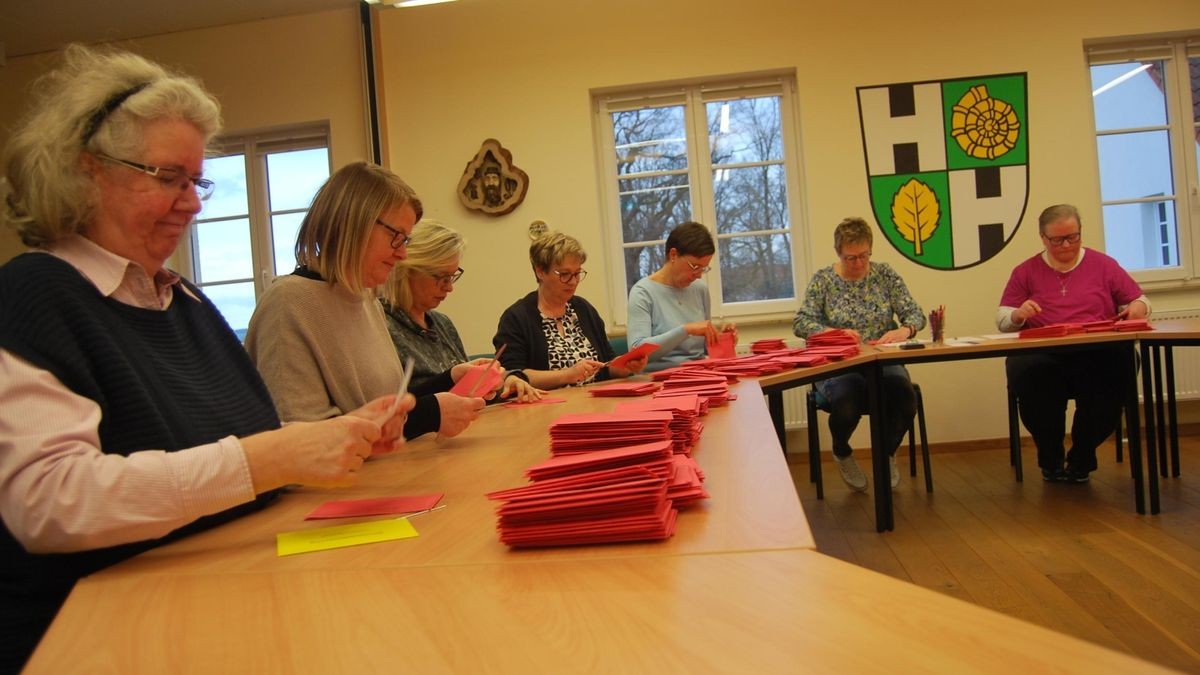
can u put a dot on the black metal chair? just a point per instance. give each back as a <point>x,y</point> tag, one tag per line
<point>1014,436</point>
<point>816,401</point>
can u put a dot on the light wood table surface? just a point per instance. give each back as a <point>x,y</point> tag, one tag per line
<point>753,503</point>
<point>760,612</point>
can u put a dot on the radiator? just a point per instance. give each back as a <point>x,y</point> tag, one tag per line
<point>1187,375</point>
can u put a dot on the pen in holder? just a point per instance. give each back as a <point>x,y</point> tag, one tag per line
<point>937,324</point>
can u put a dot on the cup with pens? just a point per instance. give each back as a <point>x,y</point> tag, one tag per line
<point>937,324</point>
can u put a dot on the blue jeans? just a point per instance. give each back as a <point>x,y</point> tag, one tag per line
<point>847,400</point>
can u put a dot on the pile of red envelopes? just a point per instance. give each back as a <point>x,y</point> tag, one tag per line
<point>585,432</point>
<point>634,388</point>
<point>685,424</point>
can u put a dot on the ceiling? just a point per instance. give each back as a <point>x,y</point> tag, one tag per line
<point>35,26</point>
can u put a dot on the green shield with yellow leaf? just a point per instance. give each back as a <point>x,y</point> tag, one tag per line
<point>947,165</point>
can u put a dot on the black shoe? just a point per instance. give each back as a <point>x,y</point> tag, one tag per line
<point>1073,475</point>
<point>1056,476</point>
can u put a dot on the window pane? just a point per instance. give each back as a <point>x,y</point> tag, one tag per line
<point>641,262</point>
<point>650,207</point>
<point>236,302</point>
<point>223,251</point>
<point>1195,77</point>
<point>745,130</point>
<point>1142,236</point>
<point>751,198</point>
<point>294,177</point>
<point>650,139</point>
<point>756,268</point>
<point>1134,165</point>
<point>229,194</point>
<point>1129,95</point>
<point>284,228</point>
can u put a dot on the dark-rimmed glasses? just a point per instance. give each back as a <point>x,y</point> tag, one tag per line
<point>861,257</point>
<point>447,279</point>
<point>1065,239</point>
<point>568,277</point>
<point>398,238</point>
<point>171,178</point>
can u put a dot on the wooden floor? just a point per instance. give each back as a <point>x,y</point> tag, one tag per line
<point>1075,558</point>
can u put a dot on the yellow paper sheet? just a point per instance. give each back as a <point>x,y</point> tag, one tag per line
<point>339,536</point>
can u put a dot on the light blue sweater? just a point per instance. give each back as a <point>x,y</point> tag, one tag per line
<point>657,313</point>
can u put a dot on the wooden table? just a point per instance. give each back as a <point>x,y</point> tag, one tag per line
<point>753,503</point>
<point>739,588</point>
<point>760,612</point>
<point>871,360</point>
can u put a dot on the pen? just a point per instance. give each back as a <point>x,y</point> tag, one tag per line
<point>404,380</point>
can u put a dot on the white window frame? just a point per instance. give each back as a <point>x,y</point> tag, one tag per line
<point>254,147</point>
<point>693,95</point>
<point>1181,129</point>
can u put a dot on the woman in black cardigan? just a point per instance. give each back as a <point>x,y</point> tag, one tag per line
<point>554,336</point>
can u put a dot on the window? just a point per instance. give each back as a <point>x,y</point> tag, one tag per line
<point>246,233</point>
<point>721,153</point>
<point>1146,100</point>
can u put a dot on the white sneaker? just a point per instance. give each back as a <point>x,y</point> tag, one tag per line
<point>895,472</point>
<point>854,477</point>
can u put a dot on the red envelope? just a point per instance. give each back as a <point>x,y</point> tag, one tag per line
<point>723,348</point>
<point>644,349</point>
<point>470,384</point>
<point>381,506</point>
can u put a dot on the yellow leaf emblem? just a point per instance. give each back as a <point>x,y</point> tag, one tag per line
<point>984,127</point>
<point>916,212</point>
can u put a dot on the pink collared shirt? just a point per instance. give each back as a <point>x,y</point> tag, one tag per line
<point>58,491</point>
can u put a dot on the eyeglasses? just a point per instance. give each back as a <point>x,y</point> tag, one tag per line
<point>171,179</point>
<point>695,267</point>
<point>399,239</point>
<point>568,277</point>
<point>861,257</point>
<point>447,279</point>
<point>1065,239</point>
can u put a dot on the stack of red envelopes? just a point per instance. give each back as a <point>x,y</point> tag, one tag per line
<point>1052,330</point>
<point>655,456</point>
<point>1126,325</point>
<point>615,505</point>
<point>626,389</point>
<point>767,345</point>
<point>685,425</point>
<point>834,337</point>
<point>584,432</point>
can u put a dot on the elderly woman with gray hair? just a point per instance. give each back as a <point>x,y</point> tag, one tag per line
<point>417,286</point>
<point>556,337</point>
<point>130,415</point>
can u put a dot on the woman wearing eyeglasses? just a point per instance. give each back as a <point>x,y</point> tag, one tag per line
<point>129,413</point>
<point>671,307</point>
<point>319,335</point>
<point>415,289</point>
<point>556,337</point>
<point>1068,283</point>
<point>865,299</point>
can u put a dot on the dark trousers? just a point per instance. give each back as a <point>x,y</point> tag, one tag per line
<point>1044,383</point>
<point>846,396</point>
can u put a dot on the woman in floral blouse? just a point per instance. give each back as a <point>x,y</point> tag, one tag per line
<point>866,300</point>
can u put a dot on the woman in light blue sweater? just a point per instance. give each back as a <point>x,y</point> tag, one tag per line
<point>670,308</point>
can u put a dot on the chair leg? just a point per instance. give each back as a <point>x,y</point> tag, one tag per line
<point>1120,442</point>
<point>814,446</point>
<point>912,450</point>
<point>924,439</point>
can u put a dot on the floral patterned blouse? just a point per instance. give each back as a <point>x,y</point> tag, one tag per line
<point>567,349</point>
<point>867,305</point>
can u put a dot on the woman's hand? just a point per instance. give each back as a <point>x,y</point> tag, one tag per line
<point>461,369</point>
<point>1134,310</point>
<point>321,454</point>
<point>457,412</point>
<point>895,335</point>
<point>702,328</point>
<point>520,390</point>
<point>581,371</point>
<point>1021,314</point>
<point>631,367</point>
<point>391,422</point>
